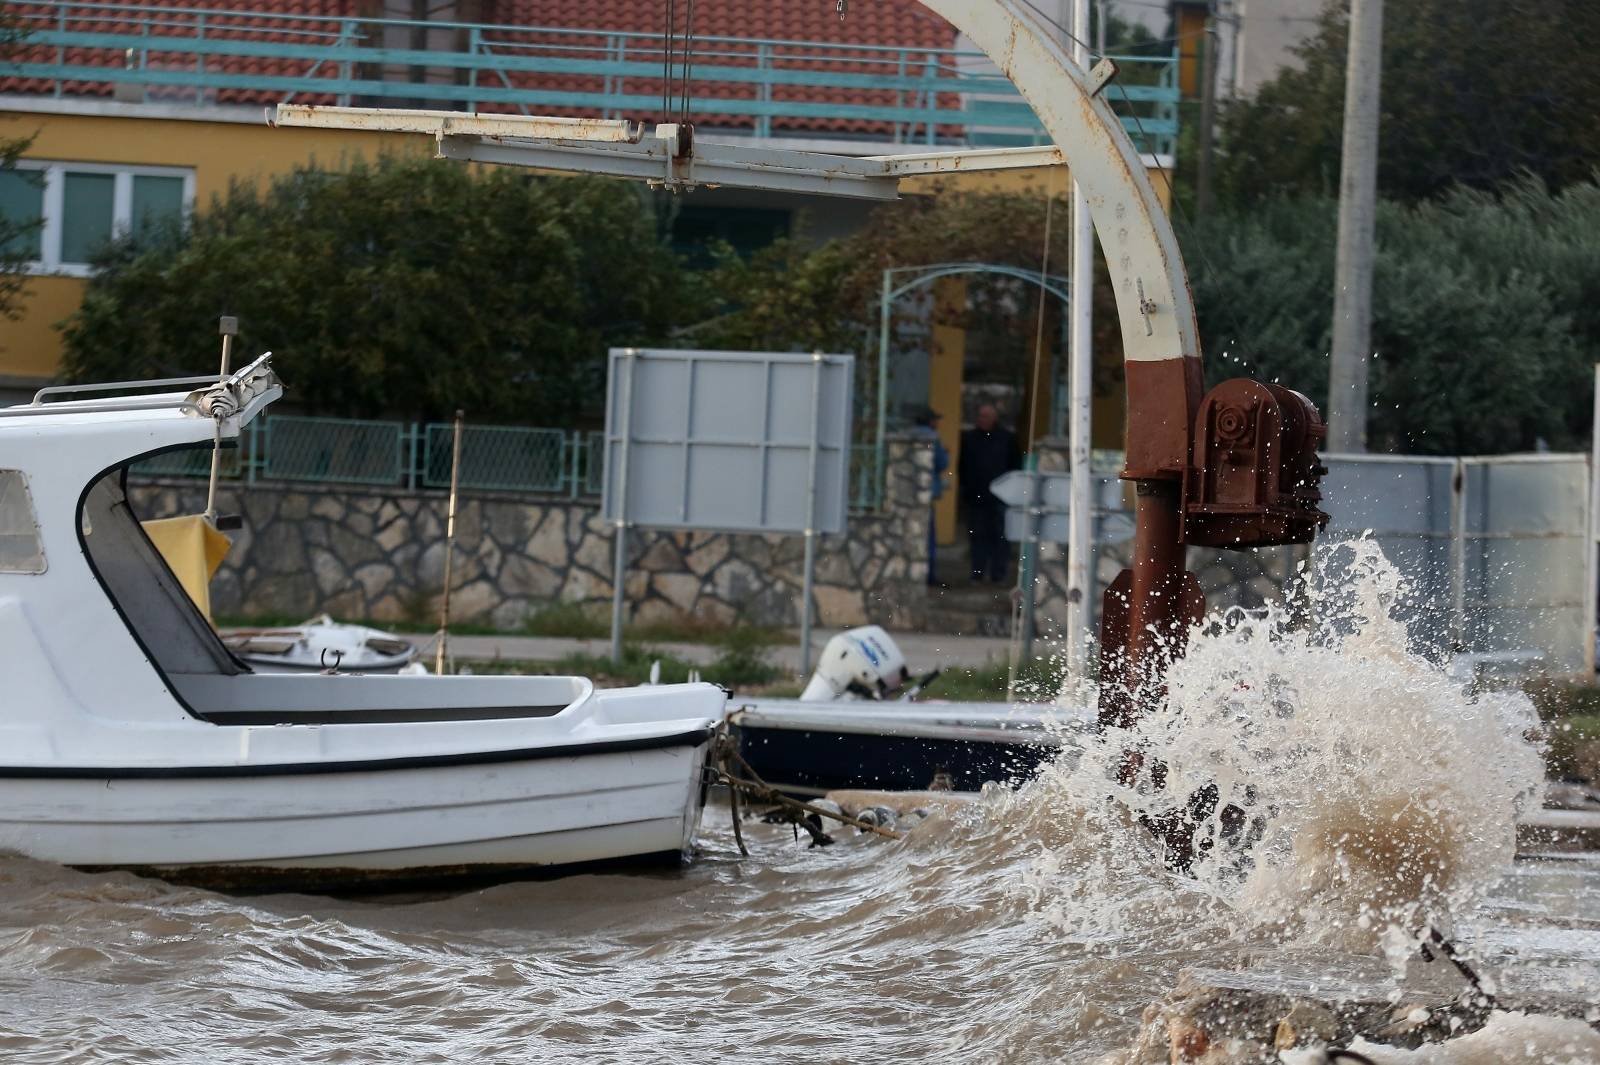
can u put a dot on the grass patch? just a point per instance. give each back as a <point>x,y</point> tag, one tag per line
<point>736,668</point>
<point>702,630</point>
<point>281,621</point>
<point>571,620</point>
<point>1571,716</point>
<point>1038,681</point>
<point>579,622</point>
<point>1556,700</point>
<point>744,666</point>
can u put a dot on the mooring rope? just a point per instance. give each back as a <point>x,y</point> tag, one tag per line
<point>1435,940</point>
<point>725,751</point>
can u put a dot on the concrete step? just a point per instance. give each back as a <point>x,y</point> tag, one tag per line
<point>970,609</point>
<point>1547,832</point>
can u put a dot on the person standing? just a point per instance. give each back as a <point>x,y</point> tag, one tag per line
<point>987,451</point>
<point>927,427</point>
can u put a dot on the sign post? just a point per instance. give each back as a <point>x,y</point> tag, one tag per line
<point>714,441</point>
<point>1039,509</point>
<point>807,580</point>
<point>622,368</point>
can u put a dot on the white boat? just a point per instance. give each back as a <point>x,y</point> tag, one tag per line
<point>321,644</point>
<point>130,737</point>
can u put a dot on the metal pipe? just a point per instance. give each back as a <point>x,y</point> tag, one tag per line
<point>1351,350</point>
<point>1592,554</point>
<point>1080,404</point>
<point>810,564</point>
<point>1458,558</point>
<point>156,403</point>
<point>885,302</point>
<point>115,386</point>
<point>619,560</point>
<point>1208,116</point>
<point>228,326</point>
<point>1155,602</point>
<point>1021,647</point>
<point>449,548</point>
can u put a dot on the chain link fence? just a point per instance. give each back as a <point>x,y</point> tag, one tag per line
<point>494,458</point>
<point>332,450</point>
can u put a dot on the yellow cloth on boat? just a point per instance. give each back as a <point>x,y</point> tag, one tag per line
<point>193,548</point>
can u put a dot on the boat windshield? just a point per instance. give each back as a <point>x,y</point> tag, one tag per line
<point>146,593</point>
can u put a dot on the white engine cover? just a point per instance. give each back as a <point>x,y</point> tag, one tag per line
<point>862,663</point>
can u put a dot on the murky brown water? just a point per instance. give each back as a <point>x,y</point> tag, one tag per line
<point>919,950</point>
<point>1030,926</point>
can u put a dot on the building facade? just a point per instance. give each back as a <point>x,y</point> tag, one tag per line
<point>143,109</point>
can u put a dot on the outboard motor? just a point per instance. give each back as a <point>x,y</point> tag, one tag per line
<point>862,663</point>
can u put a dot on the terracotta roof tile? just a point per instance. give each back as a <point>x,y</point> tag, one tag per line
<point>880,23</point>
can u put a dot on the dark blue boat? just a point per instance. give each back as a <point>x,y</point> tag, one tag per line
<point>808,748</point>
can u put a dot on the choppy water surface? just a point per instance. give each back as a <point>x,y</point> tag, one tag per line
<point>1037,925</point>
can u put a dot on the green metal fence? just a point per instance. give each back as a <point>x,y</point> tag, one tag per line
<point>496,457</point>
<point>333,450</point>
<point>192,463</point>
<point>394,454</point>
<point>593,446</point>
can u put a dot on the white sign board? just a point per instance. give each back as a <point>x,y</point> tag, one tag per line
<point>728,441</point>
<point>1046,497</point>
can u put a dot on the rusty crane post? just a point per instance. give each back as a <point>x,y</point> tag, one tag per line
<point>1235,469</point>
<point>1238,471</point>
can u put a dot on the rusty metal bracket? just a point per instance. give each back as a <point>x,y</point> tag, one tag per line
<point>1101,74</point>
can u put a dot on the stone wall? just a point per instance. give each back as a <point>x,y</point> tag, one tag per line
<point>379,554</point>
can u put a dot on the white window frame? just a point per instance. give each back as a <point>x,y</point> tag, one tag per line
<point>55,171</point>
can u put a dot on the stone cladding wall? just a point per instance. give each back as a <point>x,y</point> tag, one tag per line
<point>379,554</point>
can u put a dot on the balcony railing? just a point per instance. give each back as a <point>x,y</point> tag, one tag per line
<point>768,88</point>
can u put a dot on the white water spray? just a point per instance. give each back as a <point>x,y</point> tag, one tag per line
<point>1357,787</point>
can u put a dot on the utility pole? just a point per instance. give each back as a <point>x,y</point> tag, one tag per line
<point>1080,398</point>
<point>1102,12</point>
<point>1358,183</point>
<point>1208,114</point>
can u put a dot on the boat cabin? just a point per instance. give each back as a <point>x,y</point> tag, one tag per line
<point>109,658</point>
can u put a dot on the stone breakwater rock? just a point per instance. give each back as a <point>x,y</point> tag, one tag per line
<point>378,554</point>
<point>1200,1024</point>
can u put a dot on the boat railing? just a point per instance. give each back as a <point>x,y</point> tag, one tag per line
<point>252,382</point>
<point>180,402</point>
<point>114,406</point>
<point>40,396</point>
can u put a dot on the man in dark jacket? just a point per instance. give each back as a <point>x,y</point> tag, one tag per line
<point>987,451</point>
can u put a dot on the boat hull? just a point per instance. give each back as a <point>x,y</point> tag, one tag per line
<point>367,828</point>
<point>811,758</point>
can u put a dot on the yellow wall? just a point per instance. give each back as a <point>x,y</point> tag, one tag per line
<point>30,347</point>
<point>1191,31</point>
<point>946,363</point>
<point>1021,180</point>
